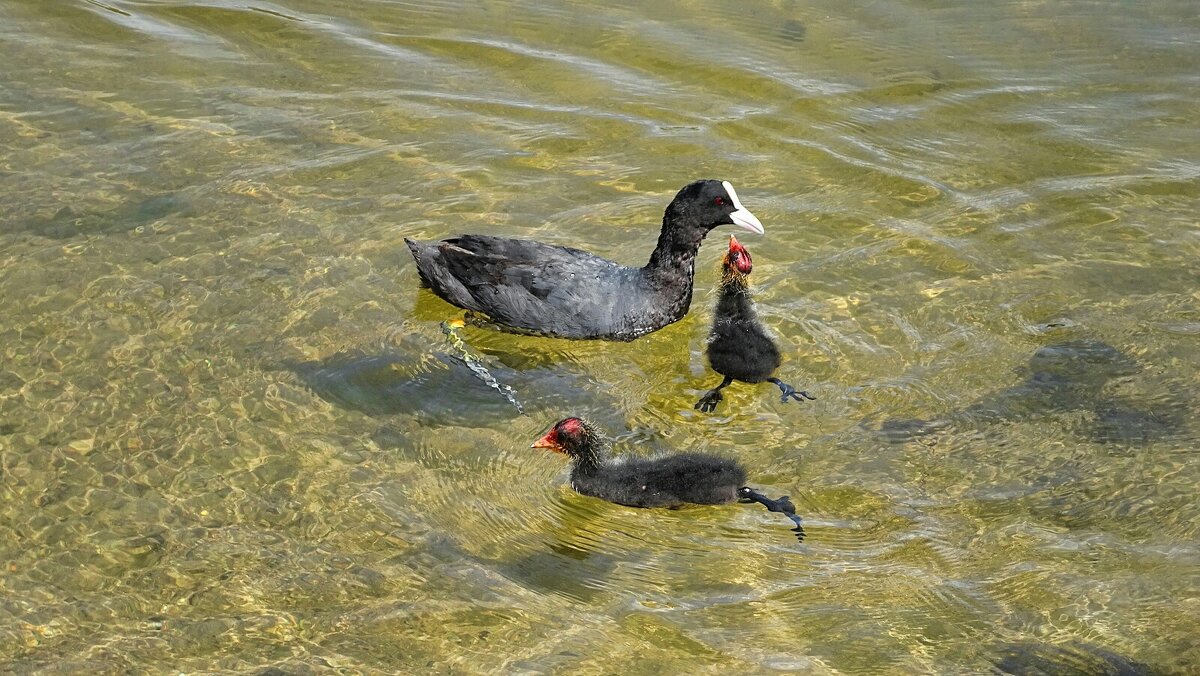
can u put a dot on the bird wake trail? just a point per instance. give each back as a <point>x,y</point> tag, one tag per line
<point>476,365</point>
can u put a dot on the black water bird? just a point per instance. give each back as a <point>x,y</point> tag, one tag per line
<point>530,287</point>
<point>668,481</point>
<point>739,347</point>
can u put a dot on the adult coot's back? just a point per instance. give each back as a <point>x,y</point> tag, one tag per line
<point>558,291</point>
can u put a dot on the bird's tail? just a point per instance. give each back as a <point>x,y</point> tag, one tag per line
<point>418,257</point>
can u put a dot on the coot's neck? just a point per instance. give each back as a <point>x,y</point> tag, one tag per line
<point>583,468</point>
<point>675,254</point>
<point>588,458</point>
<point>734,301</point>
<point>668,274</point>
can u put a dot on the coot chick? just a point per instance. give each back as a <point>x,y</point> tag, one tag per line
<point>739,347</point>
<point>531,287</point>
<point>667,481</point>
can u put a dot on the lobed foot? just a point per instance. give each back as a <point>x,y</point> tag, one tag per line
<point>708,403</point>
<point>782,505</point>
<point>799,531</point>
<point>790,392</point>
<point>789,510</point>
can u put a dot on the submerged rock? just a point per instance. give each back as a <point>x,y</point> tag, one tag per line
<point>1032,658</point>
<point>1063,377</point>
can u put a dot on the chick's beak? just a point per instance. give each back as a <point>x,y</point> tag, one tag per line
<point>549,441</point>
<point>739,256</point>
<point>735,246</point>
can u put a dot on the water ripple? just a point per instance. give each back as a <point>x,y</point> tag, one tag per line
<point>232,436</point>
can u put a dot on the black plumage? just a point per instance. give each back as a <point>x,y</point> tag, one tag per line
<point>531,287</point>
<point>739,347</point>
<point>668,481</point>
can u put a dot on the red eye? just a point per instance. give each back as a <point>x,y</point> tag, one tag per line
<point>719,201</point>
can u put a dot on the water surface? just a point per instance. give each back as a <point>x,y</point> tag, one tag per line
<point>233,437</point>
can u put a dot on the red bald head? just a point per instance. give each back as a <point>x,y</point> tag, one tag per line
<point>738,257</point>
<point>571,436</point>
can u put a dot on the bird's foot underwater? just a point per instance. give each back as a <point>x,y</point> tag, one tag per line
<point>708,403</point>
<point>790,392</point>
<point>782,505</point>
<point>799,531</point>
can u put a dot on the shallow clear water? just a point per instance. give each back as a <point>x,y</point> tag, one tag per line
<point>232,435</point>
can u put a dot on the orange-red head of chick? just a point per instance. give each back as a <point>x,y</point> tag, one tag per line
<point>574,437</point>
<point>738,259</point>
<point>559,436</point>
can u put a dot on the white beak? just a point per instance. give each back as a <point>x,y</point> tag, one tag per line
<point>742,216</point>
<point>747,220</point>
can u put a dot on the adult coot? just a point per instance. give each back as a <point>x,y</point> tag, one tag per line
<point>739,347</point>
<point>539,288</point>
<point>667,481</point>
